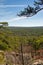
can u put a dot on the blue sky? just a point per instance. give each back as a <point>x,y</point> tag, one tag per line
<point>10,8</point>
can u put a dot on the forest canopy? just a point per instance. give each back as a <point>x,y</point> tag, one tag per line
<point>10,39</point>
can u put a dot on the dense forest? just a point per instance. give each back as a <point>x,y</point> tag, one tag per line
<point>20,40</point>
<point>11,37</point>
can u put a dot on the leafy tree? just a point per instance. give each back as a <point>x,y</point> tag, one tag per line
<point>34,43</point>
<point>30,11</point>
<point>3,24</point>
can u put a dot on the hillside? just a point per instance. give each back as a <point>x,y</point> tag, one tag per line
<point>11,35</point>
<point>18,41</point>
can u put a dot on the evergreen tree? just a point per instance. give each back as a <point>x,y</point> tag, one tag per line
<point>30,11</point>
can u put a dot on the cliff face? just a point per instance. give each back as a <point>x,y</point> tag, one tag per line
<point>15,58</point>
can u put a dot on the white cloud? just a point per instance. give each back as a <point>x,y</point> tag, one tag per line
<point>16,19</point>
<point>12,19</point>
<point>5,6</point>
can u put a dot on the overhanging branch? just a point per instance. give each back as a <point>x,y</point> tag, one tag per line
<point>40,9</point>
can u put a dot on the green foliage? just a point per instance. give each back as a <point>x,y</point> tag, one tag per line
<point>11,38</point>
<point>14,40</point>
<point>32,10</point>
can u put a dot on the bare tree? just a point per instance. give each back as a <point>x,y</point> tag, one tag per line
<point>22,54</point>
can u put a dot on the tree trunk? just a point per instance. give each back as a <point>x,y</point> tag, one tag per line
<point>22,54</point>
